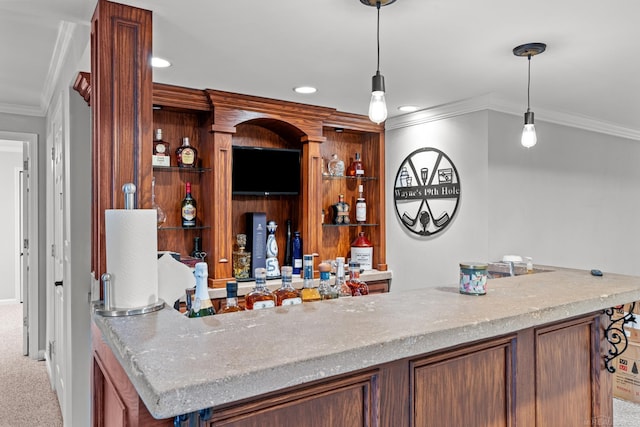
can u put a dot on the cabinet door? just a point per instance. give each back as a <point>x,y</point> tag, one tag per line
<point>347,402</point>
<point>565,375</point>
<point>469,387</point>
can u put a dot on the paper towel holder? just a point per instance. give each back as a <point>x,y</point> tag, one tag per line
<point>104,308</point>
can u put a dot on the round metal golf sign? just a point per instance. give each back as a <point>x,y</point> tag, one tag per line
<point>426,191</point>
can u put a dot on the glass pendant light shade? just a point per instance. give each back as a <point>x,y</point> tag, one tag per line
<point>378,105</point>
<point>529,138</point>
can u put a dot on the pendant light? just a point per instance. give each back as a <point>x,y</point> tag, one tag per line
<point>529,137</point>
<point>378,105</point>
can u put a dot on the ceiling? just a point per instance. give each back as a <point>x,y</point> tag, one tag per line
<point>433,52</point>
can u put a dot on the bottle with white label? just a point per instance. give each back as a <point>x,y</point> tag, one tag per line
<point>361,207</point>
<point>362,251</point>
<point>260,296</point>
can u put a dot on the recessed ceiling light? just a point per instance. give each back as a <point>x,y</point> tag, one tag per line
<point>305,89</point>
<point>408,108</point>
<point>157,62</point>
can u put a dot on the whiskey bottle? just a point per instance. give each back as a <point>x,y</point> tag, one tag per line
<point>361,207</point>
<point>232,299</point>
<point>186,155</point>
<point>160,150</point>
<point>260,297</point>
<point>188,208</point>
<point>287,294</point>
<point>344,290</point>
<point>297,253</point>
<point>357,286</point>
<point>356,168</point>
<point>309,291</point>
<point>341,211</point>
<point>324,288</point>
<point>202,305</point>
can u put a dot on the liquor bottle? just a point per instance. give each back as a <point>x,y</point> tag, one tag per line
<point>202,305</point>
<point>362,251</point>
<point>344,290</point>
<point>160,150</point>
<point>288,247</point>
<point>309,291</point>
<point>341,211</point>
<point>241,259</point>
<point>297,253</point>
<point>197,249</point>
<point>232,299</point>
<point>186,155</point>
<point>272,264</point>
<point>356,168</point>
<point>324,288</point>
<point>188,208</point>
<point>357,286</point>
<point>260,297</point>
<point>336,166</point>
<point>361,207</point>
<point>287,294</point>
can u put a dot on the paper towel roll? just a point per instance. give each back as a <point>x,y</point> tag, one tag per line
<point>132,245</point>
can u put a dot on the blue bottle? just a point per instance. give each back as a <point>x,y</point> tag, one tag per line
<point>297,252</point>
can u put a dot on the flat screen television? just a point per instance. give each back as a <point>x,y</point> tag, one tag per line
<point>259,171</point>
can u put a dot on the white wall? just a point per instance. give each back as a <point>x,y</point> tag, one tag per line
<point>432,261</point>
<point>572,200</point>
<point>10,159</point>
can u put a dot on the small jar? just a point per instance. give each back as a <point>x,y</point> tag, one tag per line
<point>473,278</point>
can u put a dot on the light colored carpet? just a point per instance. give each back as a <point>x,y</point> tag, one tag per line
<point>26,397</point>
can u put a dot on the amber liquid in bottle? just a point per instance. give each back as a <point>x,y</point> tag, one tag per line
<point>186,155</point>
<point>287,294</point>
<point>232,299</point>
<point>356,168</point>
<point>309,292</point>
<point>260,297</point>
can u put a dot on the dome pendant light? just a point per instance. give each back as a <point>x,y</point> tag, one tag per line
<point>378,105</point>
<point>529,138</point>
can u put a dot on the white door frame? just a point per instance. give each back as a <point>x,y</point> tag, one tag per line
<point>32,291</point>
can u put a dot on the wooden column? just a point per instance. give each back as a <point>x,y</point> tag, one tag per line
<point>220,260</point>
<point>311,195</point>
<point>121,113</point>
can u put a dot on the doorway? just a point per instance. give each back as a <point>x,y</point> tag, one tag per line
<point>20,214</point>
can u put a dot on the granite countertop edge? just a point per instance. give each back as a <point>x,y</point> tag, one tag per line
<point>458,320</point>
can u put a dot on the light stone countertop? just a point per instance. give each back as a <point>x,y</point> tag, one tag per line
<point>180,365</point>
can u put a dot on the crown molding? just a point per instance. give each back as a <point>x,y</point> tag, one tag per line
<point>65,35</point>
<point>22,110</point>
<point>490,102</point>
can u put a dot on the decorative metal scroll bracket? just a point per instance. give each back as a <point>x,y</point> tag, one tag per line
<point>616,336</point>
<point>192,419</point>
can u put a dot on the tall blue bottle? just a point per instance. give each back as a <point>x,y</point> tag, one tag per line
<point>297,252</point>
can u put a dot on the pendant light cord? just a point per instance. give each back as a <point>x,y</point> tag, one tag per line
<point>529,84</point>
<point>378,35</point>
